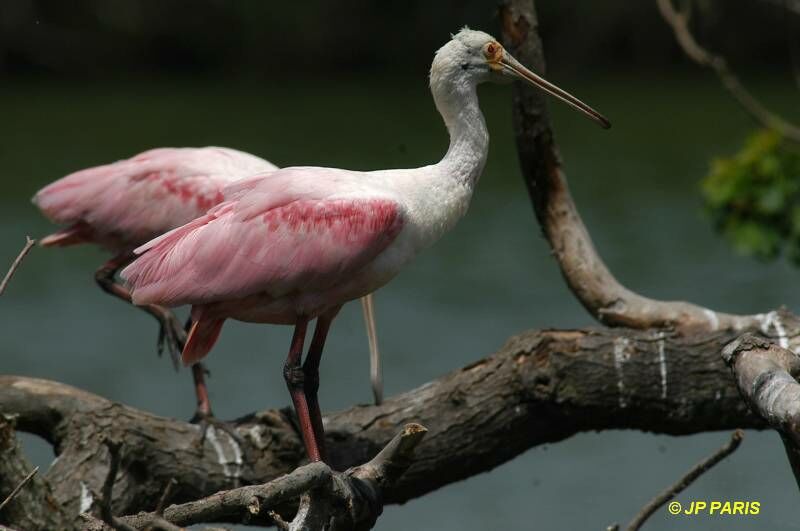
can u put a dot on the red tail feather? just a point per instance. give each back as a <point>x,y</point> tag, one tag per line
<point>202,336</point>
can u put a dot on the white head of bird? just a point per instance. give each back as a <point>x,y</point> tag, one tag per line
<point>473,57</point>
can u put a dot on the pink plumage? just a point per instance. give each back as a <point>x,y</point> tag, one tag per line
<point>126,203</point>
<point>287,247</point>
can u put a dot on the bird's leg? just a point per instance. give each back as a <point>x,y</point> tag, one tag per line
<point>203,416</point>
<point>295,380</point>
<point>375,373</point>
<point>199,372</point>
<point>311,376</point>
<point>201,392</point>
<point>171,335</point>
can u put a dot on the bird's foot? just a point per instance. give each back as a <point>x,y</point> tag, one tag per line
<point>172,338</point>
<point>209,425</point>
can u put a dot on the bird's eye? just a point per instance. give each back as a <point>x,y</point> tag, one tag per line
<point>492,50</point>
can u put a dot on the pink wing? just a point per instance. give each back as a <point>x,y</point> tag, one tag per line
<point>272,240</point>
<point>128,202</point>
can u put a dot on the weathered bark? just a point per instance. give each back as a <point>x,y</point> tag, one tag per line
<point>350,500</point>
<point>541,387</point>
<point>590,280</point>
<point>766,376</point>
<point>662,374</point>
<point>34,506</point>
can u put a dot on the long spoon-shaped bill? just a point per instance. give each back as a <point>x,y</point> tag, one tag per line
<point>515,68</point>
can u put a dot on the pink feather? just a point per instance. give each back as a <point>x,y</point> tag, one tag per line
<point>237,249</point>
<point>126,203</point>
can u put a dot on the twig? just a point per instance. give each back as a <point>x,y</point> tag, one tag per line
<point>162,502</point>
<point>19,487</point>
<point>108,488</point>
<point>29,243</point>
<point>680,26</point>
<point>697,471</point>
<point>158,521</point>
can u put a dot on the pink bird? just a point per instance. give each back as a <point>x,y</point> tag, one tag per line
<point>123,205</point>
<point>297,244</point>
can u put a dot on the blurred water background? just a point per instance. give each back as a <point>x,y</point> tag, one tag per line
<point>492,277</point>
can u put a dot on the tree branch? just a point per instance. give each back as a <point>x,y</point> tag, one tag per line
<point>590,280</point>
<point>765,374</point>
<point>541,387</point>
<point>29,243</point>
<point>32,507</point>
<point>18,488</point>
<point>698,470</point>
<point>663,375</point>
<point>694,51</point>
<point>329,500</point>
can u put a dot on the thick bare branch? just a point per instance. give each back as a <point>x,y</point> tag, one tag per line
<point>29,243</point>
<point>766,376</point>
<point>541,387</point>
<point>585,272</point>
<point>697,53</point>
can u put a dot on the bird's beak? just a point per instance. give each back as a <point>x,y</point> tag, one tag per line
<point>514,68</point>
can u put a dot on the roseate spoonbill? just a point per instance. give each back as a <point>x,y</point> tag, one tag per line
<point>124,204</point>
<point>299,244</point>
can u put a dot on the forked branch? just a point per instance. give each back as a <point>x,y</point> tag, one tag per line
<point>679,22</point>
<point>590,280</point>
<point>329,500</point>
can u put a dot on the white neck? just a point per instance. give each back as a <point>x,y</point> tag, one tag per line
<point>457,101</point>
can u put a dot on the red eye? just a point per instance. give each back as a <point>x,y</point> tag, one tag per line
<point>492,51</point>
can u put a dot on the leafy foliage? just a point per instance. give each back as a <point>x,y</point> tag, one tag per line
<point>754,197</point>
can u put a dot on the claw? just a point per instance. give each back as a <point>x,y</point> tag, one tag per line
<point>160,342</point>
<point>207,422</point>
<point>171,337</point>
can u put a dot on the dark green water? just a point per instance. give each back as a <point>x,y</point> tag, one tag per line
<point>637,189</point>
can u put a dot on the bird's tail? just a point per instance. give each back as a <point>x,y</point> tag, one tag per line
<point>375,373</point>
<point>72,235</point>
<point>202,336</point>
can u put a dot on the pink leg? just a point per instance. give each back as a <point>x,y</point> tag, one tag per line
<point>171,335</point>
<point>201,392</point>
<point>295,381</point>
<point>311,377</point>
